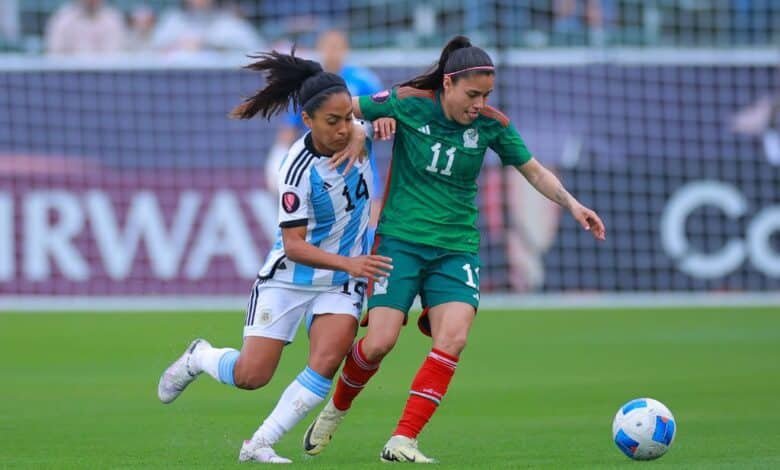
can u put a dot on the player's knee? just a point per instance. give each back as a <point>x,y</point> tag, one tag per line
<point>452,344</point>
<point>375,349</point>
<point>326,363</point>
<point>251,380</point>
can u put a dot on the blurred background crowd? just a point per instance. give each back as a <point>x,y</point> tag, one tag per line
<point>112,26</point>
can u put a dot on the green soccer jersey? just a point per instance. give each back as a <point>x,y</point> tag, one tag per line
<point>436,162</point>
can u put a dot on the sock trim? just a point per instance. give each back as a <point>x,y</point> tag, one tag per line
<point>349,383</point>
<point>426,396</point>
<point>314,382</point>
<point>227,363</point>
<point>443,358</point>
<point>361,361</point>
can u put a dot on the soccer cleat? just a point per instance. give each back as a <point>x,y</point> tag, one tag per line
<point>259,452</point>
<point>180,374</point>
<point>403,449</point>
<point>320,432</point>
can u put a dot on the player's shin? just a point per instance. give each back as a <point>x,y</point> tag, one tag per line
<point>428,388</point>
<point>357,371</point>
<point>307,391</point>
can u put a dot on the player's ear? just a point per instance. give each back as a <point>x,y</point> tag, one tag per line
<point>447,83</point>
<point>307,120</point>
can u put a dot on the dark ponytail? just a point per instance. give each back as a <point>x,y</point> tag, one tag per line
<point>289,79</point>
<point>458,58</point>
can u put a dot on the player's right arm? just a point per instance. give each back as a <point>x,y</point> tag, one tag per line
<point>378,108</point>
<point>294,213</point>
<point>300,251</point>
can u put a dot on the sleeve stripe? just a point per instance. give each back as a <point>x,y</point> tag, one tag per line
<point>294,223</point>
<point>302,170</point>
<point>298,160</point>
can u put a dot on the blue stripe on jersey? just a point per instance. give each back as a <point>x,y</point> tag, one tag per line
<point>352,181</point>
<point>324,216</point>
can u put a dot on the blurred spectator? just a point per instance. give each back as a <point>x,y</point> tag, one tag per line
<point>762,120</point>
<point>9,21</point>
<point>85,26</point>
<point>333,49</point>
<point>142,21</point>
<point>581,21</point>
<point>202,25</point>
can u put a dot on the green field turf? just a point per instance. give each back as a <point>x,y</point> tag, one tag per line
<point>533,390</point>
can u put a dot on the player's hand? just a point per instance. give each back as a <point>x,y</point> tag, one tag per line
<point>370,266</point>
<point>384,128</point>
<point>354,151</point>
<point>589,221</point>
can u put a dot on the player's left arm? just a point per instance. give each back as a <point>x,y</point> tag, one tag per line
<point>511,149</point>
<point>551,187</point>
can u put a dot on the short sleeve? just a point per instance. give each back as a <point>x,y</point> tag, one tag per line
<point>510,147</point>
<point>294,191</point>
<point>380,104</point>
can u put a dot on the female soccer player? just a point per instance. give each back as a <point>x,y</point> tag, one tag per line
<point>316,269</point>
<point>428,226</point>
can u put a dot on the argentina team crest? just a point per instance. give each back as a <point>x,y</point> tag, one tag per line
<point>470,138</point>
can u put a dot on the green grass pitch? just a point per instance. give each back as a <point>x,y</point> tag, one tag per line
<point>533,390</point>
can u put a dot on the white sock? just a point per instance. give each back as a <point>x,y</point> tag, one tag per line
<point>307,391</point>
<point>207,360</point>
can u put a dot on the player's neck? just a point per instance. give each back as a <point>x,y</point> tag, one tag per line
<point>312,143</point>
<point>444,109</point>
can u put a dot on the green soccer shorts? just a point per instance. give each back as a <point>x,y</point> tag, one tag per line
<point>437,274</point>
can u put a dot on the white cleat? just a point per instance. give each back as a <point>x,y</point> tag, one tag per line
<point>259,452</point>
<point>403,449</point>
<point>180,374</point>
<point>320,432</point>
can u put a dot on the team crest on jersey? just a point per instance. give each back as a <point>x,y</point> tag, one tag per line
<point>290,202</point>
<point>380,96</point>
<point>470,138</point>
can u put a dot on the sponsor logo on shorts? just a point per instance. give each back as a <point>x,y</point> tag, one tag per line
<point>380,286</point>
<point>265,316</point>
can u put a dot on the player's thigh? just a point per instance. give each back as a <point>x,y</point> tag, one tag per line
<point>272,319</point>
<point>398,290</point>
<point>384,327</point>
<point>332,323</point>
<point>453,277</point>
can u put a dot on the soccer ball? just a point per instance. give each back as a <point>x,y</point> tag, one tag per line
<point>644,429</point>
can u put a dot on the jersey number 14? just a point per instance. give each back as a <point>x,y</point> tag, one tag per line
<point>360,192</point>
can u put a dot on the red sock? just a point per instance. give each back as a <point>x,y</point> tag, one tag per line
<point>354,376</point>
<point>428,388</point>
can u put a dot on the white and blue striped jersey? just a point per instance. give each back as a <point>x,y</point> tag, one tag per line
<point>332,205</point>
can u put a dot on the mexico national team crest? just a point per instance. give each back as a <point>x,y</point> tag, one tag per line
<point>470,138</point>
<point>380,96</point>
<point>290,202</point>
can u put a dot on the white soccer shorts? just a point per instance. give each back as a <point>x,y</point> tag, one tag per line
<point>276,311</point>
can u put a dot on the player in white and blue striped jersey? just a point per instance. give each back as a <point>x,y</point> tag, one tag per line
<point>334,207</point>
<point>318,267</point>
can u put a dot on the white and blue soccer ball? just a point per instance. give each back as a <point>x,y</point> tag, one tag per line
<point>644,429</point>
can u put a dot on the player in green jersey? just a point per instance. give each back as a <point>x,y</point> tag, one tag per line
<point>428,226</point>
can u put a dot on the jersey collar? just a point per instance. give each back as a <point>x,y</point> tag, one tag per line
<point>309,144</point>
